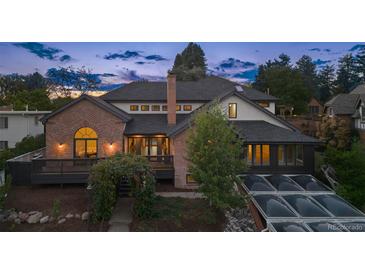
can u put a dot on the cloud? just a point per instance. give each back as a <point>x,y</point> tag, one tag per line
<point>357,47</point>
<point>235,69</point>
<point>232,63</point>
<point>320,62</point>
<point>155,57</point>
<point>314,49</point>
<point>249,75</point>
<point>124,56</point>
<point>44,52</point>
<point>327,50</point>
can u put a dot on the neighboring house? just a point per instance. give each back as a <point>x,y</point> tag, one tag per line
<point>152,118</point>
<point>351,108</point>
<point>15,125</point>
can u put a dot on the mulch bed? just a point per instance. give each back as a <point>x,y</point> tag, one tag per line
<point>179,214</point>
<point>73,199</point>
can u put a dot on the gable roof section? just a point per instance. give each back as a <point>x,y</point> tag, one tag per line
<point>186,122</point>
<point>203,90</point>
<point>360,89</point>
<point>343,104</point>
<point>264,132</point>
<point>95,100</point>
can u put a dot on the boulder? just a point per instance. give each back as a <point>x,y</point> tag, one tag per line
<point>17,221</point>
<point>44,220</point>
<point>85,216</point>
<point>61,221</point>
<point>23,216</point>
<point>34,218</point>
<point>33,212</point>
<point>69,216</point>
<point>13,215</point>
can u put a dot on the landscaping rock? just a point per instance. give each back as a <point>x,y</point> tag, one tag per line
<point>44,220</point>
<point>60,217</point>
<point>33,212</point>
<point>69,216</point>
<point>85,216</point>
<point>12,216</point>
<point>239,220</point>
<point>61,221</point>
<point>34,218</point>
<point>18,221</point>
<point>77,216</point>
<point>23,216</point>
<point>4,214</point>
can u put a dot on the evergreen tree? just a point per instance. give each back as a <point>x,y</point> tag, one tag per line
<point>347,77</point>
<point>326,82</point>
<point>307,69</point>
<point>360,64</point>
<point>190,64</point>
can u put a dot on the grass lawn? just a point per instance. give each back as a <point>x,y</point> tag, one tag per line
<point>179,214</point>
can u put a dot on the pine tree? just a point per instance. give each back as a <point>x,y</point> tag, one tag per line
<point>307,69</point>
<point>360,64</point>
<point>190,64</point>
<point>347,77</point>
<point>326,82</point>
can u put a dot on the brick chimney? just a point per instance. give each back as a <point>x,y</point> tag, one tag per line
<point>171,99</point>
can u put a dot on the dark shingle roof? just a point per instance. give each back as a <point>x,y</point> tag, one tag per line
<point>343,104</point>
<point>150,123</point>
<point>360,89</point>
<point>203,90</point>
<point>264,132</point>
<point>95,100</point>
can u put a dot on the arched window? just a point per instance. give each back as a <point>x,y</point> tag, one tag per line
<point>86,143</point>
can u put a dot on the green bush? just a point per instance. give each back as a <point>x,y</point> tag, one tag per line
<point>56,208</point>
<point>105,176</point>
<point>350,172</point>
<point>4,189</point>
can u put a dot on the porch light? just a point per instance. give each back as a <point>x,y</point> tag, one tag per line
<point>60,145</point>
<point>111,144</point>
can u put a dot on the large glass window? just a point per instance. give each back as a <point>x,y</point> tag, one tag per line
<point>290,155</point>
<point>232,110</point>
<point>258,155</point>
<point>149,146</point>
<point>86,143</point>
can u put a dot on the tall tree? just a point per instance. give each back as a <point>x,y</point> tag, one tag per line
<point>307,69</point>
<point>190,64</point>
<point>326,82</point>
<point>360,64</point>
<point>347,77</point>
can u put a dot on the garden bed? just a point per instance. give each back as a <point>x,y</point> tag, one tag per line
<point>73,199</point>
<point>179,214</point>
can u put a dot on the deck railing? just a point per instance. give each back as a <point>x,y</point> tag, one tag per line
<point>61,166</point>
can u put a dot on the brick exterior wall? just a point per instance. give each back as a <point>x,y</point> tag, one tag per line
<point>178,149</point>
<point>62,127</point>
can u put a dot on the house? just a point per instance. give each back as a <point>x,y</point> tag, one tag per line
<point>152,119</point>
<point>350,108</point>
<point>15,125</point>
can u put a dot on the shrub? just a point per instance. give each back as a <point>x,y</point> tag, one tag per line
<point>215,154</point>
<point>4,189</point>
<point>105,176</point>
<point>350,172</point>
<point>56,208</point>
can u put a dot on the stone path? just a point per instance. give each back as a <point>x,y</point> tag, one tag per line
<point>122,215</point>
<point>188,195</point>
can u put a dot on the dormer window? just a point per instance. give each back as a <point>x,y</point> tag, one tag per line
<point>133,107</point>
<point>145,107</point>
<point>330,111</point>
<point>232,110</point>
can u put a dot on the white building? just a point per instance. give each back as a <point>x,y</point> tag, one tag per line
<point>15,125</point>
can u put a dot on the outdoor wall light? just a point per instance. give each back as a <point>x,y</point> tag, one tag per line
<point>60,145</point>
<point>111,144</point>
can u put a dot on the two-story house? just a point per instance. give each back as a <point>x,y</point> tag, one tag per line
<point>152,119</point>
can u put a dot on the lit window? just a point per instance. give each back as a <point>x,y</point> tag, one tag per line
<point>155,107</point>
<point>232,110</point>
<point>281,155</point>
<point>145,107</point>
<point>133,107</point>
<point>258,155</point>
<point>4,122</point>
<point>188,107</point>
<point>264,104</point>
<point>178,107</point>
<point>190,179</point>
<point>164,108</point>
<point>249,155</point>
<point>86,143</point>
<point>290,155</point>
<point>265,155</point>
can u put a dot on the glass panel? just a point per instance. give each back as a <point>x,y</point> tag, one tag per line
<point>155,107</point>
<point>131,145</point>
<point>153,149</point>
<point>187,107</point>
<point>257,155</point>
<point>165,146</point>
<point>91,148</point>
<point>355,226</point>
<point>86,133</point>
<point>145,107</point>
<point>134,107</point>
<point>281,155</point>
<point>283,183</point>
<point>337,206</point>
<point>256,183</point>
<point>290,154</point>
<point>232,110</point>
<point>249,154</point>
<point>190,179</point>
<point>265,155</point>
<point>309,183</point>
<point>289,227</point>
<point>305,206</point>
<point>144,146</point>
<point>178,107</point>
<point>299,158</point>
<point>325,227</point>
<point>80,148</point>
<point>273,206</point>
<point>264,104</point>
<point>164,108</point>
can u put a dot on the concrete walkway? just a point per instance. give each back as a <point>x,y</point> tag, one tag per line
<point>187,195</point>
<point>122,215</point>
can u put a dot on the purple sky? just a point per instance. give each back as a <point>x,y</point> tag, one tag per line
<point>125,62</point>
